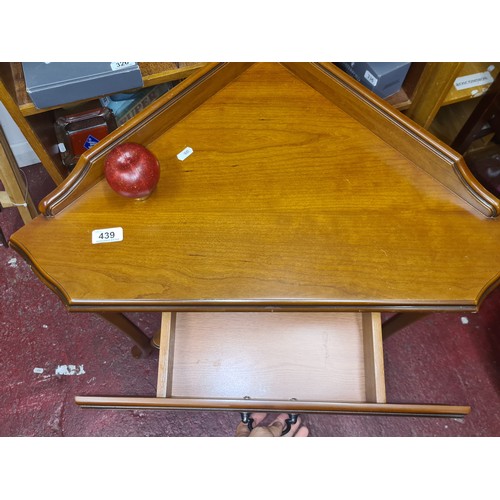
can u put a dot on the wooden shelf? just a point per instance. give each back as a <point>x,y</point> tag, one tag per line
<point>37,124</point>
<point>428,87</point>
<point>450,119</point>
<point>471,68</point>
<point>153,73</point>
<point>400,100</point>
<point>436,88</point>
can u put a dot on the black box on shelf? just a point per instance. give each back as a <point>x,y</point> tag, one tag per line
<point>56,83</point>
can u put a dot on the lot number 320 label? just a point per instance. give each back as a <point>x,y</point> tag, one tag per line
<point>109,235</point>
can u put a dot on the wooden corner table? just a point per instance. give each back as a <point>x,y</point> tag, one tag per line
<point>307,207</point>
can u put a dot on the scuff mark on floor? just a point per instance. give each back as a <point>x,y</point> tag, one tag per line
<point>69,370</point>
<point>12,262</point>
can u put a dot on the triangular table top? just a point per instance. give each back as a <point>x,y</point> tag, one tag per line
<point>304,191</point>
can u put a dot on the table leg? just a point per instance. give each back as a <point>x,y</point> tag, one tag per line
<point>400,321</point>
<point>155,341</point>
<point>142,342</point>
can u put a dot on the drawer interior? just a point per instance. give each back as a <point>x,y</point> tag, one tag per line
<point>279,356</point>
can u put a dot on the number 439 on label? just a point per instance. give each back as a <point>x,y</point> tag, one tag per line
<point>108,235</point>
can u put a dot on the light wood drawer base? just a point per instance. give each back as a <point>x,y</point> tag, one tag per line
<point>286,362</point>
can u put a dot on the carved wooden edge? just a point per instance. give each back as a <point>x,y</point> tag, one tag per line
<point>139,305</point>
<point>48,280</point>
<point>476,189</point>
<point>130,306</point>
<point>141,341</point>
<point>259,306</point>
<point>256,405</point>
<point>143,128</point>
<point>488,288</point>
<point>252,305</point>
<point>424,150</point>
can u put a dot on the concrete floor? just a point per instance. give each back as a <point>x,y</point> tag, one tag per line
<point>50,355</point>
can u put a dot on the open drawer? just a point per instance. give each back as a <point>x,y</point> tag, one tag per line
<point>288,362</point>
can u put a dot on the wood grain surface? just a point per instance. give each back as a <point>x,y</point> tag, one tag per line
<point>288,202</point>
<point>265,356</point>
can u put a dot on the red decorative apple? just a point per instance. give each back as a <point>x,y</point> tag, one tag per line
<point>132,170</point>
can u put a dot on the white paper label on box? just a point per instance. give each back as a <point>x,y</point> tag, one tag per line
<point>185,153</point>
<point>371,78</point>
<point>109,235</point>
<point>475,80</point>
<point>120,65</point>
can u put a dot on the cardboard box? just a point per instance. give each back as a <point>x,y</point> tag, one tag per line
<point>383,78</point>
<point>56,83</point>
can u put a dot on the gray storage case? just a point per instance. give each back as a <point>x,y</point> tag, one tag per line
<point>383,78</point>
<point>57,83</point>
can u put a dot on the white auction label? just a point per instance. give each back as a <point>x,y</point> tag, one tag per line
<point>475,80</point>
<point>368,76</point>
<point>109,235</point>
<point>185,153</point>
<point>120,65</point>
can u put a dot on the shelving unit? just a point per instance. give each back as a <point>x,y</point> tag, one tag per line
<point>435,90</point>
<point>14,193</point>
<point>403,99</point>
<point>458,106</point>
<point>428,97</point>
<point>37,124</point>
<point>450,119</point>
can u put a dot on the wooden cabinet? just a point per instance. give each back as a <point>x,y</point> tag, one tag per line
<point>37,125</point>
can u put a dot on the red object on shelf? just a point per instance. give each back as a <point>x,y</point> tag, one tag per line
<point>78,132</point>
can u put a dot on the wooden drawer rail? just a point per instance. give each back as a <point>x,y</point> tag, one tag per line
<point>387,409</point>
